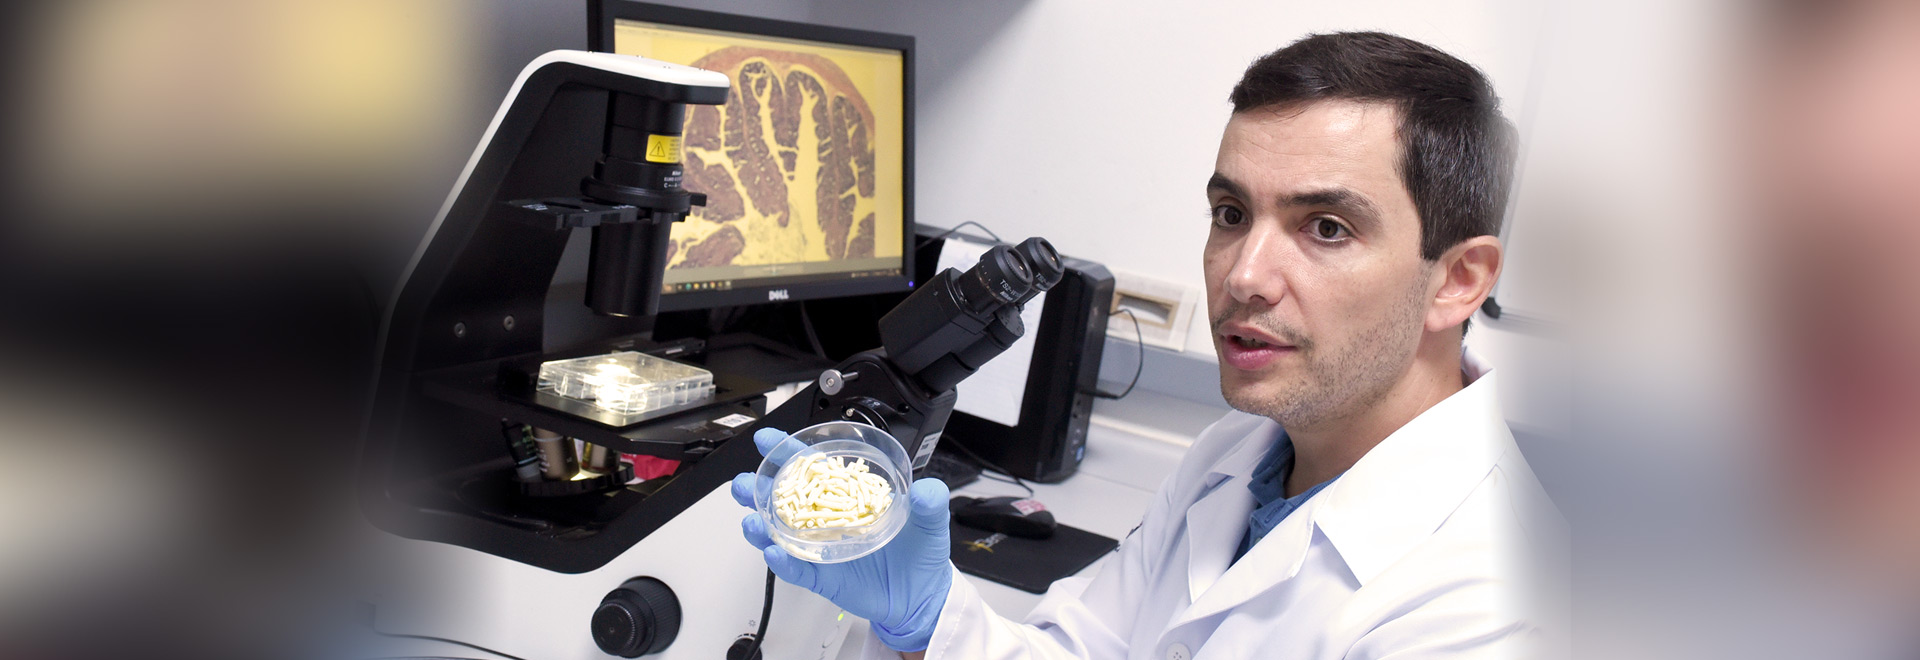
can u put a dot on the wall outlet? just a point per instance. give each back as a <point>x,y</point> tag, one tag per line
<point>1164,310</point>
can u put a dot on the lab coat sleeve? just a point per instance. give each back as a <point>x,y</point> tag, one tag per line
<point>1464,616</point>
<point>1451,629</point>
<point>1070,622</point>
<point>968,628</point>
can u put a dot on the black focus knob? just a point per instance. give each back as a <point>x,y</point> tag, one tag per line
<point>640,617</point>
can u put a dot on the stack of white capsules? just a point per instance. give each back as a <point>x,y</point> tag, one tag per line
<point>823,492</point>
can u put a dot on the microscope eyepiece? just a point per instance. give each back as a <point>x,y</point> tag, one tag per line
<point>960,319</point>
<point>1001,277</point>
<point>1043,262</point>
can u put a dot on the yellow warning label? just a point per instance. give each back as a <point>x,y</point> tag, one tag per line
<point>663,148</point>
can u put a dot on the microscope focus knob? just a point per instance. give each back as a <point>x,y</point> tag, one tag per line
<point>640,617</point>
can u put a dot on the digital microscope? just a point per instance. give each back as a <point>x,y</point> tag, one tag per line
<point>489,531</point>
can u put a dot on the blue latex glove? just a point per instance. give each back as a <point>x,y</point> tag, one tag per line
<point>899,589</point>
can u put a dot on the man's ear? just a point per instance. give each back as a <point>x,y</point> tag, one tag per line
<point>1466,274</point>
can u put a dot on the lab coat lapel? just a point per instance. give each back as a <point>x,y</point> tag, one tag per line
<point>1217,520</point>
<point>1214,526</point>
<point>1276,559</point>
<point>1389,501</point>
<point>1403,489</point>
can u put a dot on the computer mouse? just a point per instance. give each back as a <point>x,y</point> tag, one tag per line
<point>1013,516</point>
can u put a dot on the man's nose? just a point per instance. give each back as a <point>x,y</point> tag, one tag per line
<point>1257,275</point>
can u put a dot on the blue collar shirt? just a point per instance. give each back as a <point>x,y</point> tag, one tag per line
<point>1269,485</point>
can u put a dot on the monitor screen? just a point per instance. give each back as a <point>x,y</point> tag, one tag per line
<point>806,168</point>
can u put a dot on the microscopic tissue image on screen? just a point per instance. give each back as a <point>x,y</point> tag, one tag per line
<point>802,167</point>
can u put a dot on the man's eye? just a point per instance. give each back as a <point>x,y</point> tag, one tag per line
<point>1227,216</point>
<point>1327,229</point>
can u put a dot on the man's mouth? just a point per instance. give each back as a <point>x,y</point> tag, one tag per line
<point>1248,342</point>
<point>1248,348</point>
<point>1247,336</point>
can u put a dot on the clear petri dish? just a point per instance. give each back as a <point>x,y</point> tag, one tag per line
<point>853,444</point>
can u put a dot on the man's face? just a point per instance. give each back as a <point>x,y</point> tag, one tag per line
<point>1315,285</point>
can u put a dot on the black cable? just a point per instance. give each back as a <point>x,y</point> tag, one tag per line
<point>990,475</point>
<point>956,228</point>
<point>766,612</point>
<point>1017,481</point>
<point>431,638</point>
<point>806,322</point>
<point>1137,366</point>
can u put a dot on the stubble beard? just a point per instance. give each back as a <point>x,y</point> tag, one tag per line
<point>1338,380</point>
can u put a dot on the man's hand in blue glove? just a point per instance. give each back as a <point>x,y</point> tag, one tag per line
<point>900,588</point>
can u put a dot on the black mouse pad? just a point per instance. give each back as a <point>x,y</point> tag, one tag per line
<point>1027,564</point>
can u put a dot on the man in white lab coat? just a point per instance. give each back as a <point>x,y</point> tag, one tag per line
<point>1367,501</point>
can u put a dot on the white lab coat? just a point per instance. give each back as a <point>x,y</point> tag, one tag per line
<point>1420,550</point>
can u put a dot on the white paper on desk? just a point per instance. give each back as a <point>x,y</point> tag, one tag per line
<point>993,393</point>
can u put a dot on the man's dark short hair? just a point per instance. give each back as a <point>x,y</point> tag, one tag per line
<point>1457,151</point>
